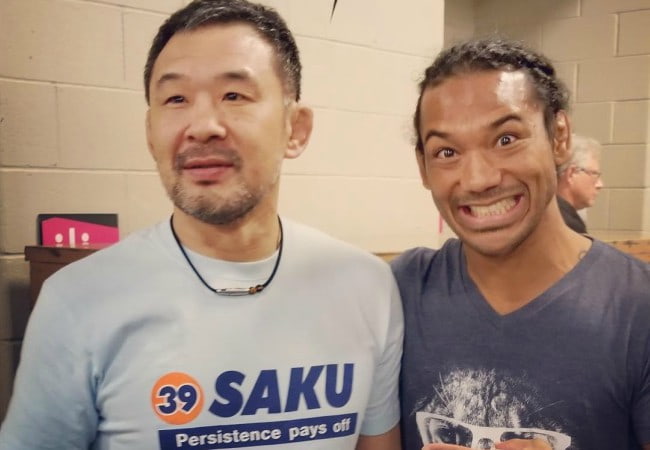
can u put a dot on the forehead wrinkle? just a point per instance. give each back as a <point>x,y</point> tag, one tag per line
<point>474,102</point>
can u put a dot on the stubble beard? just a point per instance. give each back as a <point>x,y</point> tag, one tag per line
<point>213,208</point>
<point>208,205</point>
<point>517,241</point>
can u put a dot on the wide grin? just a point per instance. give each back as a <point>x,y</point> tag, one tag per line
<point>495,209</point>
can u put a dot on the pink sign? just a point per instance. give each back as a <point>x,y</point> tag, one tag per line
<point>61,232</point>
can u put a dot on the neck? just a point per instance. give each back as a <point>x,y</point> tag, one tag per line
<point>510,281</point>
<point>252,238</point>
<point>566,194</point>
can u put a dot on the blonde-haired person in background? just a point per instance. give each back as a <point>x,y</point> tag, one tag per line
<point>579,180</point>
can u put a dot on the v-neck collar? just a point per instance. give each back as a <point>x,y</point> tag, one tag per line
<point>477,301</point>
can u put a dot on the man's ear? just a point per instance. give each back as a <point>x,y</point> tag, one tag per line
<point>301,122</point>
<point>570,172</point>
<point>566,176</point>
<point>562,138</point>
<point>419,154</point>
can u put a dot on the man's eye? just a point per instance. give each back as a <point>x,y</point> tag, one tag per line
<point>175,99</point>
<point>231,96</point>
<point>445,153</point>
<point>506,139</point>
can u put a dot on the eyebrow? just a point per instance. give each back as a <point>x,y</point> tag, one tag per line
<point>233,75</point>
<point>434,133</point>
<point>495,124</point>
<point>507,118</point>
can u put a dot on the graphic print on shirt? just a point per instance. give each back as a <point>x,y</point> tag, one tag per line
<point>479,408</point>
<point>178,399</point>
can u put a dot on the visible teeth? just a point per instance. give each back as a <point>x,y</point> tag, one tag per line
<point>494,209</point>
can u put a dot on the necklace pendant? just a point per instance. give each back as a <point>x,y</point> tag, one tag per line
<point>233,292</point>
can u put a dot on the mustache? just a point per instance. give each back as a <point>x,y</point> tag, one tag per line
<point>493,193</point>
<point>205,151</point>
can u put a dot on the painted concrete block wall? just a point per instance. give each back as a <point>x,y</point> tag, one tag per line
<point>72,134</point>
<point>459,21</point>
<point>602,51</point>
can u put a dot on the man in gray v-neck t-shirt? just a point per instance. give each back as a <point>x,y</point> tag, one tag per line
<point>521,333</point>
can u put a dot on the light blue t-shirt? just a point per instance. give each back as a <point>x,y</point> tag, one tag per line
<point>126,349</point>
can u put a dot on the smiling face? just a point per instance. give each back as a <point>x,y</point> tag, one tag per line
<point>488,160</point>
<point>220,124</point>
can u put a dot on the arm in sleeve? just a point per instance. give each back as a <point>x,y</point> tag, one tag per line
<point>52,406</point>
<point>383,410</point>
<point>641,404</point>
<point>641,389</point>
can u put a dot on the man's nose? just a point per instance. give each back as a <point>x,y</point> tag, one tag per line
<point>478,172</point>
<point>206,122</point>
<point>599,183</point>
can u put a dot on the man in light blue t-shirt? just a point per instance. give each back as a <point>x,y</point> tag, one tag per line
<point>521,333</point>
<point>224,326</point>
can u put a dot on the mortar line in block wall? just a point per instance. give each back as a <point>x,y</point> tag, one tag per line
<point>125,8</point>
<point>68,84</point>
<point>365,46</point>
<point>95,171</point>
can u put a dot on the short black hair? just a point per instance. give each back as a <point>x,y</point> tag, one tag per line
<point>266,21</point>
<point>497,54</point>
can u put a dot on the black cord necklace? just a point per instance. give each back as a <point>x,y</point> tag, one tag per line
<point>233,292</point>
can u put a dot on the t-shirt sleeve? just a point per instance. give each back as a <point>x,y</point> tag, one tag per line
<point>641,402</point>
<point>52,405</point>
<point>383,411</point>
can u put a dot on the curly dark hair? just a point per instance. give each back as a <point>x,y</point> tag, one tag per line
<point>497,54</point>
<point>266,21</point>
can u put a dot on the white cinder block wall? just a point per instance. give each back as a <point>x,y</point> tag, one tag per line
<point>72,134</point>
<point>602,51</point>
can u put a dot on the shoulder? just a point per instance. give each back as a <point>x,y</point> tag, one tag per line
<point>618,261</point>
<point>420,261</point>
<point>112,265</point>
<point>317,259</point>
<point>434,272</point>
<point>323,265</point>
<point>414,258</point>
<point>611,270</point>
<point>308,244</point>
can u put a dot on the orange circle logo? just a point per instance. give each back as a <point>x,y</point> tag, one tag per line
<point>177,398</point>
